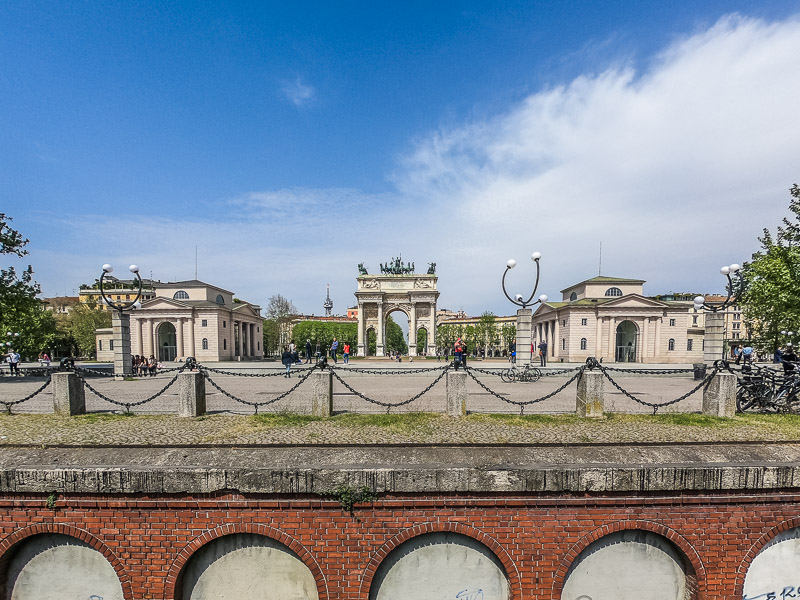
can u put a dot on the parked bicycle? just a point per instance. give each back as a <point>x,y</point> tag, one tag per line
<point>762,389</point>
<point>527,374</point>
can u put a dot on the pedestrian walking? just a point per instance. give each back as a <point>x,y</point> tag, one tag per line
<point>747,354</point>
<point>543,354</point>
<point>334,349</point>
<point>286,359</point>
<point>346,353</point>
<point>308,350</point>
<point>13,362</point>
<point>458,351</point>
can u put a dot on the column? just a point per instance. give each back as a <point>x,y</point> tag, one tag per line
<point>714,337</point>
<point>524,316</point>
<point>252,339</point>
<point>612,338</point>
<point>149,334</point>
<point>179,335</point>
<point>139,337</point>
<point>598,344</point>
<point>379,332</point>
<point>432,331</point>
<point>192,347</point>
<point>657,346</point>
<point>237,339</point>
<point>556,339</point>
<point>360,341</point>
<point>121,325</point>
<point>646,338</point>
<point>412,331</point>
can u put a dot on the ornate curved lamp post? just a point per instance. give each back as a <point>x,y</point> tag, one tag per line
<point>121,322</point>
<point>714,345</point>
<point>524,314</point>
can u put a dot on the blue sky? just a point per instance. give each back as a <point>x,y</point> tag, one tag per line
<point>291,141</point>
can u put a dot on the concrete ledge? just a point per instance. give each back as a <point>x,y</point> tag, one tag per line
<point>318,470</point>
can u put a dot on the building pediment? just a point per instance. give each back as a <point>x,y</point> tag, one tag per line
<point>245,309</point>
<point>163,303</point>
<point>634,301</point>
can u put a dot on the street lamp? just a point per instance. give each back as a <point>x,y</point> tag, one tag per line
<point>524,314</point>
<point>121,322</point>
<point>714,346</point>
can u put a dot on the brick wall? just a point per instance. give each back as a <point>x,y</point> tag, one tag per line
<point>149,539</point>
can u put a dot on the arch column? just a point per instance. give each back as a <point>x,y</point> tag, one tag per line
<point>412,331</point>
<point>432,331</point>
<point>379,333</point>
<point>179,337</point>
<point>612,338</point>
<point>360,341</point>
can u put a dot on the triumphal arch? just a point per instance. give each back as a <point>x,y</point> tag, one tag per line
<point>397,288</point>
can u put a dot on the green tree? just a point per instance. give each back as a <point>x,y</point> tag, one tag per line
<point>322,333</point>
<point>422,340</point>
<point>272,336</point>
<point>84,320</point>
<point>20,311</point>
<point>771,298</point>
<point>395,338</point>
<point>508,333</point>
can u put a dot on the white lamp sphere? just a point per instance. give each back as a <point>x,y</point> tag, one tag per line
<point>108,268</point>
<point>518,297</point>
<point>734,267</point>
<point>137,304</point>
<point>133,269</point>
<point>699,299</point>
<point>511,263</point>
<point>536,256</point>
<point>543,298</point>
<point>725,270</point>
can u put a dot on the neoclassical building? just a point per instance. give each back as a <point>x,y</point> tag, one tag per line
<point>610,318</point>
<point>193,318</point>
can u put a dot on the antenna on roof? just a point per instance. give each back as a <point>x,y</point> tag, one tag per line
<point>600,266</point>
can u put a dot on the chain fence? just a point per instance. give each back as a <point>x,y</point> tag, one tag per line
<point>128,405</point>
<point>256,405</point>
<point>9,403</point>
<point>390,405</point>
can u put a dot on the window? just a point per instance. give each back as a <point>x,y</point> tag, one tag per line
<point>110,344</point>
<point>737,316</point>
<point>180,295</point>
<point>671,346</point>
<point>736,326</point>
<point>613,291</point>
<point>694,320</point>
<point>224,344</point>
<point>220,299</point>
<point>573,296</point>
<point>564,323</point>
<point>204,323</point>
<point>100,345</point>
<point>259,346</point>
<point>689,345</point>
<point>128,297</point>
<point>584,321</point>
<point>672,322</point>
<point>224,324</point>
<point>205,343</point>
<point>563,343</point>
<point>736,336</point>
<point>583,343</point>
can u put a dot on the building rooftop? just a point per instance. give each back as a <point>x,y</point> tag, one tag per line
<point>604,279</point>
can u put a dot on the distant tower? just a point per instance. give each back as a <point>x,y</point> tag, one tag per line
<point>328,304</point>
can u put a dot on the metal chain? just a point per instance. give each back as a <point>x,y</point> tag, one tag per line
<point>387,371</point>
<point>82,370</point>
<point>389,405</point>
<point>278,373</point>
<point>654,405</point>
<point>9,403</point>
<point>128,405</point>
<point>544,373</point>
<point>649,371</point>
<point>523,403</point>
<point>256,405</point>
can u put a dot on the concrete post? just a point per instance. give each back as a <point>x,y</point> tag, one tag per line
<point>713,346</point>
<point>456,393</point>
<point>322,393</point>
<point>68,394</point>
<point>191,394</point>
<point>589,400</point>
<point>524,318</point>
<point>121,327</point>
<point>719,396</point>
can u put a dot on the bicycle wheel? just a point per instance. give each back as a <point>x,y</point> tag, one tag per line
<point>505,376</point>
<point>745,398</point>
<point>534,374</point>
<point>513,376</point>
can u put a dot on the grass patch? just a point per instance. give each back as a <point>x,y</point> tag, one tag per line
<point>677,419</point>
<point>283,419</point>
<point>101,417</point>
<point>524,420</point>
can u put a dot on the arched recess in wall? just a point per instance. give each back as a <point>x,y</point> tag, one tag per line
<point>775,567</point>
<point>630,564</point>
<point>55,566</point>
<point>440,564</point>
<point>243,565</point>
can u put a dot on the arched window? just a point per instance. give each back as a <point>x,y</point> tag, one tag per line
<point>613,291</point>
<point>220,299</point>
<point>573,296</point>
<point>180,295</point>
<point>671,344</point>
<point>563,343</point>
<point>583,343</point>
<point>205,343</point>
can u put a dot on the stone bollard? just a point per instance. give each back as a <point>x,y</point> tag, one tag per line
<point>191,394</point>
<point>68,394</point>
<point>456,393</point>
<point>589,400</point>
<point>719,396</point>
<point>322,393</point>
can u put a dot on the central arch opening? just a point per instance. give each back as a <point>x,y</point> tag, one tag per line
<point>626,341</point>
<point>167,342</point>
<point>396,333</point>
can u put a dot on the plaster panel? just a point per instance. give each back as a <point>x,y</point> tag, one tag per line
<point>775,569</point>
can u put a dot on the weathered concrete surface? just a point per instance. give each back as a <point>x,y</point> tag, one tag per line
<point>247,566</point>
<point>440,565</point>
<point>627,565</point>
<point>68,394</point>
<point>191,394</point>
<point>719,396</point>
<point>58,567</point>
<point>589,400</point>
<point>319,469</point>
<point>456,393</point>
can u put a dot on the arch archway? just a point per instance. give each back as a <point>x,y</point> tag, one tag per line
<point>167,342</point>
<point>421,339</point>
<point>372,340</point>
<point>627,341</point>
<point>397,324</point>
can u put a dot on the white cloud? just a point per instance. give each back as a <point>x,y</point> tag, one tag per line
<point>298,92</point>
